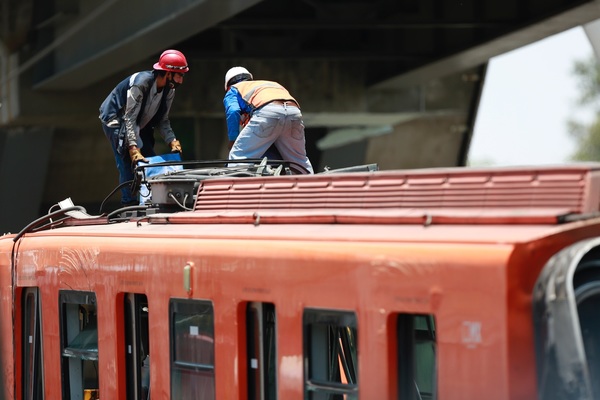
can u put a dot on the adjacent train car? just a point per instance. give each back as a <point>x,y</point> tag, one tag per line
<point>424,284</point>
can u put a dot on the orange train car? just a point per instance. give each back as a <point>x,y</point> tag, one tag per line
<point>443,284</point>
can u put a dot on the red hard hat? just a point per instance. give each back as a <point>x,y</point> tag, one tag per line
<point>172,60</point>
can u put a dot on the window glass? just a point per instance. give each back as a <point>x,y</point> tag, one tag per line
<point>416,356</point>
<point>79,337</point>
<point>588,304</point>
<point>192,351</point>
<point>330,355</point>
<point>32,346</point>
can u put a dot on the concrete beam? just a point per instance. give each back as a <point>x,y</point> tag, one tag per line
<point>592,31</point>
<point>478,55</point>
<point>107,39</point>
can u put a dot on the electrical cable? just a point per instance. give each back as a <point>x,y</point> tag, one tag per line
<point>179,204</point>
<point>123,209</point>
<point>113,192</point>
<point>38,222</point>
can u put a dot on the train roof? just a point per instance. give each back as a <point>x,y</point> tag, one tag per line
<point>484,202</point>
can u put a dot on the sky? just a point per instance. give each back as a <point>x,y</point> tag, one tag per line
<point>529,94</point>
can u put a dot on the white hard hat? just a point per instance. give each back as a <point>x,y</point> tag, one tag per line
<point>240,73</point>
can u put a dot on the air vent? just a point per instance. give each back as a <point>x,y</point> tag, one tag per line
<point>574,189</point>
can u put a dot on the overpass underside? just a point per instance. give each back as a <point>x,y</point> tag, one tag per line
<point>392,82</point>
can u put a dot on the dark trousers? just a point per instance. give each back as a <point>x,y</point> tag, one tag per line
<point>123,160</point>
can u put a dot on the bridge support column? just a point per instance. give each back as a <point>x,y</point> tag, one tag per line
<point>24,156</point>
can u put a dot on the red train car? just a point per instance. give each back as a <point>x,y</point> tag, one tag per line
<point>424,284</point>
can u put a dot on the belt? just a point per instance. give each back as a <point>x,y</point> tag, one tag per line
<point>284,103</point>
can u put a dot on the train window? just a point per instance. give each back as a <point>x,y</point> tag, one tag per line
<point>416,357</point>
<point>260,322</point>
<point>33,380</point>
<point>79,339</point>
<point>330,355</point>
<point>137,346</point>
<point>587,293</point>
<point>193,350</point>
<point>566,298</point>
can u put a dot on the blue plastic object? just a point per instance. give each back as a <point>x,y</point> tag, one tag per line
<point>153,171</point>
<point>145,193</point>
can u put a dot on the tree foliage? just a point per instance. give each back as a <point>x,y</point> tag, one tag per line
<point>587,135</point>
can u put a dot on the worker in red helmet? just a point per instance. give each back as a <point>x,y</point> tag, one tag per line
<point>269,116</point>
<point>137,105</point>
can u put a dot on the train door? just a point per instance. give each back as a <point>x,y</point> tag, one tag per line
<point>262,361</point>
<point>32,355</point>
<point>566,312</point>
<point>416,339</point>
<point>137,346</point>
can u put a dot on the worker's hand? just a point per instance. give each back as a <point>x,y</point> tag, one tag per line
<point>244,119</point>
<point>136,156</point>
<point>175,146</point>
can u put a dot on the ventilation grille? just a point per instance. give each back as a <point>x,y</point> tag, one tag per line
<point>573,188</point>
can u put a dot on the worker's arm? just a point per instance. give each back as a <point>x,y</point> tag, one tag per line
<point>132,110</point>
<point>233,112</point>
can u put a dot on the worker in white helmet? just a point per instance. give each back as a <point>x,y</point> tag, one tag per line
<point>273,118</point>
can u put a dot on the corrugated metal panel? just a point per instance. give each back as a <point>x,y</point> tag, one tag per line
<point>548,190</point>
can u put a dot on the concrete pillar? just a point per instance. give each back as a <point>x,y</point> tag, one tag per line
<point>9,86</point>
<point>24,155</point>
<point>422,143</point>
<point>313,135</point>
<point>211,139</point>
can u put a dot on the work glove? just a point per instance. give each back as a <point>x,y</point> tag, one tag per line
<point>175,146</point>
<point>135,155</point>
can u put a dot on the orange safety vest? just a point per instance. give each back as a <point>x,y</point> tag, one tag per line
<point>260,93</point>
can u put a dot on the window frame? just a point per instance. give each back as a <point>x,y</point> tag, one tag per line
<point>179,367</point>
<point>73,374</point>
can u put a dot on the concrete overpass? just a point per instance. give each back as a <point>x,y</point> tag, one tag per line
<point>386,81</point>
